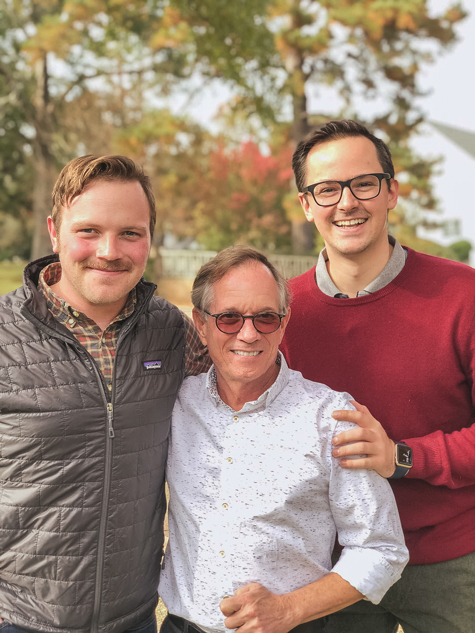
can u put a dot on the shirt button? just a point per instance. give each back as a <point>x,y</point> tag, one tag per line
<point>229,459</point>
<point>225,506</point>
<point>221,553</point>
<point>71,321</point>
<point>76,314</point>
<point>235,418</point>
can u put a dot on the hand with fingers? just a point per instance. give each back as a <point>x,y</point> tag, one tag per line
<point>369,440</point>
<point>254,609</point>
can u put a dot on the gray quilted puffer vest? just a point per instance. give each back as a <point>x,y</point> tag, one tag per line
<point>82,497</point>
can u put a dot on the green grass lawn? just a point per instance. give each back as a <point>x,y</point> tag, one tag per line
<point>11,276</point>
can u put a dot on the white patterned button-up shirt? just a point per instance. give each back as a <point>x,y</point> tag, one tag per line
<point>256,496</point>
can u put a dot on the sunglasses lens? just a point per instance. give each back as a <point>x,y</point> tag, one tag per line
<point>232,322</point>
<point>229,322</point>
<point>267,322</point>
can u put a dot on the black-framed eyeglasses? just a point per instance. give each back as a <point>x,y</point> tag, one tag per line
<point>232,322</point>
<point>364,187</point>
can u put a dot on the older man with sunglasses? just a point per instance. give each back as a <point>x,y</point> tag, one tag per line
<point>256,497</point>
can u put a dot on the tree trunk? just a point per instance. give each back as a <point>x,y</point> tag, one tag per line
<point>302,231</point>
<point>44,165</point>
<point>300,126</point>
<point>44,181</point>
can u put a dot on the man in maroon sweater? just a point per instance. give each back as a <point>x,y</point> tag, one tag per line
<point>395,328</point>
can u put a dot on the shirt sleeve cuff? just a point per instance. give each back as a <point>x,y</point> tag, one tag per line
<point>368,571</point>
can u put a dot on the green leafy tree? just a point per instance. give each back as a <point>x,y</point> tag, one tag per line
<point>48,54</point>
<point>231,42</point>
<point>462,250</point>
<point>15,172</point>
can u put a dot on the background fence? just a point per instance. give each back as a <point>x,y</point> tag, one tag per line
<point>186,263</point>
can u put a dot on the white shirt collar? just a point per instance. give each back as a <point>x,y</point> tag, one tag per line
<point>264,400</point>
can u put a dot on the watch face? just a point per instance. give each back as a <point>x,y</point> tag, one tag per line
<point>403,455</point>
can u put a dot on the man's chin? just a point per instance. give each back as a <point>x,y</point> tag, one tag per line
<point>350,248</point>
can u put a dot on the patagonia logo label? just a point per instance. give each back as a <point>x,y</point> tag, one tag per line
<point>153,364</point>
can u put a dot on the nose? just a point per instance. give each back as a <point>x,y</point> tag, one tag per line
<point>108,247</point>
<point>347,200</point>
<point>248,332</point>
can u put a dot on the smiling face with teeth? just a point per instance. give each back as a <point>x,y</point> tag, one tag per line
<point>351,228</point>
<point>244,362</point>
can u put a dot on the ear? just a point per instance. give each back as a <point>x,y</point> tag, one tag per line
<point>200,324</point>
<point>303,198</point>
<point>53,234</point>
<point>393,194</point>
<point>283,324</point>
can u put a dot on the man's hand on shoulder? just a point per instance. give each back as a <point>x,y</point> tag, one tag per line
<point>369,439</point>
<point>254,609</point>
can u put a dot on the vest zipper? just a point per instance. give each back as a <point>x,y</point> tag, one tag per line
<point>110,418</point>
<point>107,469</point>
<point>101,546</point>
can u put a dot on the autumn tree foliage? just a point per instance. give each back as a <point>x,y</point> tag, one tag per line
<point>209,188</point>
<point>241,198</point>
<point>98,77</point>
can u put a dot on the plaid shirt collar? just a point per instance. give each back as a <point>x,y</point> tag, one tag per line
<point>65,313</point>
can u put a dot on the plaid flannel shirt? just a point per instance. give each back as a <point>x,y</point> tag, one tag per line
<point>102,344</point>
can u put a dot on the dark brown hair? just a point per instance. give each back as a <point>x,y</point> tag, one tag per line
<point>332,131</point>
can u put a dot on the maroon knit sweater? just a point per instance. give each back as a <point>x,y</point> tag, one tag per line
<point>408,353</point>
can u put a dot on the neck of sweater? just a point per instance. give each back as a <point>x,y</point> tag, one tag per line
<point>352,274</point>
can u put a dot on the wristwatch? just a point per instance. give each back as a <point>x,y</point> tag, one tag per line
<point>403,458</point>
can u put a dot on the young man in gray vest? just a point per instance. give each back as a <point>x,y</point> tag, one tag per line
<point>255,496</point>
<point>90,366</point>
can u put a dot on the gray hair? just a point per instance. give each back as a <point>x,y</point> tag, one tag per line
<point>232,257</point>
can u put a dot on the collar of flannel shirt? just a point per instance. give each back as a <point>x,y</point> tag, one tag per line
<point>100,344</point>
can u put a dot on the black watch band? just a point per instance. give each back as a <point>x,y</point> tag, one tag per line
<point>403,459</point>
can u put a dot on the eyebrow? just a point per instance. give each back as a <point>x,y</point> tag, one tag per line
<point>370,173</point>
<point>94,225</point>
<point>135,228</point>
<point>268,309</point>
